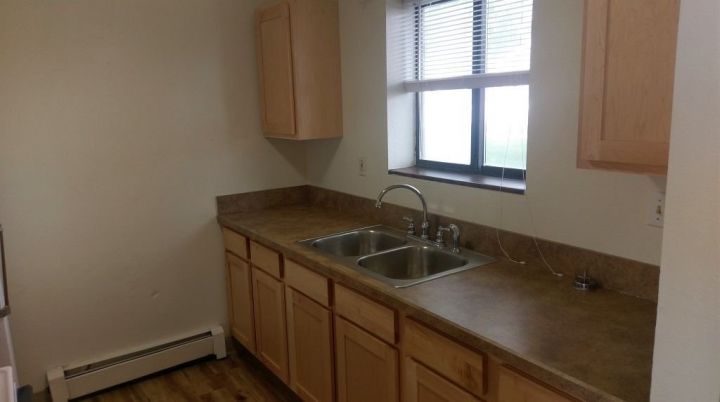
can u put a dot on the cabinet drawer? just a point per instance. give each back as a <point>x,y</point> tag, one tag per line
<point>266,259</point>
<point>372,316</point>
<point>455,362</point>
<point>515,387</point>
<point>424,385</point>
<point>235,243</point>
<point>307,282</point>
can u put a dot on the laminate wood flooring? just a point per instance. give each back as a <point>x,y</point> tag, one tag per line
<point>237,378</point>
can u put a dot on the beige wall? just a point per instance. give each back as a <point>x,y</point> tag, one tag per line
<point>119,123</point>
<point>592,209</point>
<point>687,339</point>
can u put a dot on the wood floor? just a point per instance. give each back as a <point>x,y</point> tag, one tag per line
<point>235,378</point>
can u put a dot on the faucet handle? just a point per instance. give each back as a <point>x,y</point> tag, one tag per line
<point>411,225</point>
<point>455,237</point>
<point>439,236</point>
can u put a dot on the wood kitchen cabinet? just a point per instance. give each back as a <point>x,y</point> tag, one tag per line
<point>367,368</point>
<point>365,312</point>
<point>446,357</point>
<point>515,387</point>
<point>330,342</point>
<point>240,306</point>
<point>298,57</point>
<point>309,329</point>
<point>423,385</point>
<point>270,335</point>
<point>235,243</point>
<point>627,84</point>
<point>438,369</point>
<point>266,259</point>
<point>310,335</point>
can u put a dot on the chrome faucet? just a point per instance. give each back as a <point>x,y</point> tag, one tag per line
<point>455,238</point>
<point>440,239</point>
<point>425,224</point>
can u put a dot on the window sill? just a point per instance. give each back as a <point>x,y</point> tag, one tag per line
<point>463,179</point>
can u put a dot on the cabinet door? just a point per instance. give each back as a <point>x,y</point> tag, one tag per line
<point>627,84</point>
<point>514,387</point>
<point>269,303</point>
<point>310,344</point>
<point>423,385</point>
<point>316,67</point>
<point>275,70</point>
<point>446,357</point>
<point>367,368</point>
<point>240,306</point>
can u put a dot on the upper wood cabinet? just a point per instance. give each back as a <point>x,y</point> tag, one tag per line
<point>298,52</point>
<point>627,84</point>
<point>275,67</point>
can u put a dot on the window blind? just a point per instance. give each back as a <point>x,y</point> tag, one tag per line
<point>467,43</point>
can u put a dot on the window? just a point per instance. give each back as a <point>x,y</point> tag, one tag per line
<point>470,74</point>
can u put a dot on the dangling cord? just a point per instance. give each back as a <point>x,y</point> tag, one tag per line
<point>532,218</point>
<point>497,230</point>
<point>534,237</point>
<point>497,235</point>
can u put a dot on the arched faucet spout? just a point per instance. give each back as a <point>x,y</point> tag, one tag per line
<point>425,223</point>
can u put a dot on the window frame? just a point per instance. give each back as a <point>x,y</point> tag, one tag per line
<point>477,130</point>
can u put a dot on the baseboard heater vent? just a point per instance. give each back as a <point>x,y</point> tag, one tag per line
<point>84,378</point>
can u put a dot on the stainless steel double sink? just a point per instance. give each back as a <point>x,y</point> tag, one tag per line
<point>392,257</point>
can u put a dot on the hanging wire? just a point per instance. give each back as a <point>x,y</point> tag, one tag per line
<point>530,212</point>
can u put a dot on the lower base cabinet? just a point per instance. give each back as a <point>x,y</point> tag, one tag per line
<point>287,321</point>
<point>367,368</point>
<point>309,330</point>
<point>424,385</point>
<point>515,387</point>
<point>270,336</point>
<point>450,360</point>
<point>240,303</point>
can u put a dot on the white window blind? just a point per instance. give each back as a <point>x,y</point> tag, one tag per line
<point>467,43</point>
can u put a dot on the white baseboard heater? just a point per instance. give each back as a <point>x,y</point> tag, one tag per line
<point>76,380</point>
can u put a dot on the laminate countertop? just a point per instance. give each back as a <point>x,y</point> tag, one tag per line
<point>594,345</point>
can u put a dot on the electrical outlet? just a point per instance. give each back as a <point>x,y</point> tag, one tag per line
<point>656,216</point>
<point>362,166</point>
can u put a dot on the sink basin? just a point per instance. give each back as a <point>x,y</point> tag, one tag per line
<point>358,242</point>
<point>411,262</point>
<point>393,257</point>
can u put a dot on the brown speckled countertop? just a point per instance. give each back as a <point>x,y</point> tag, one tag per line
<point>596,346</point>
